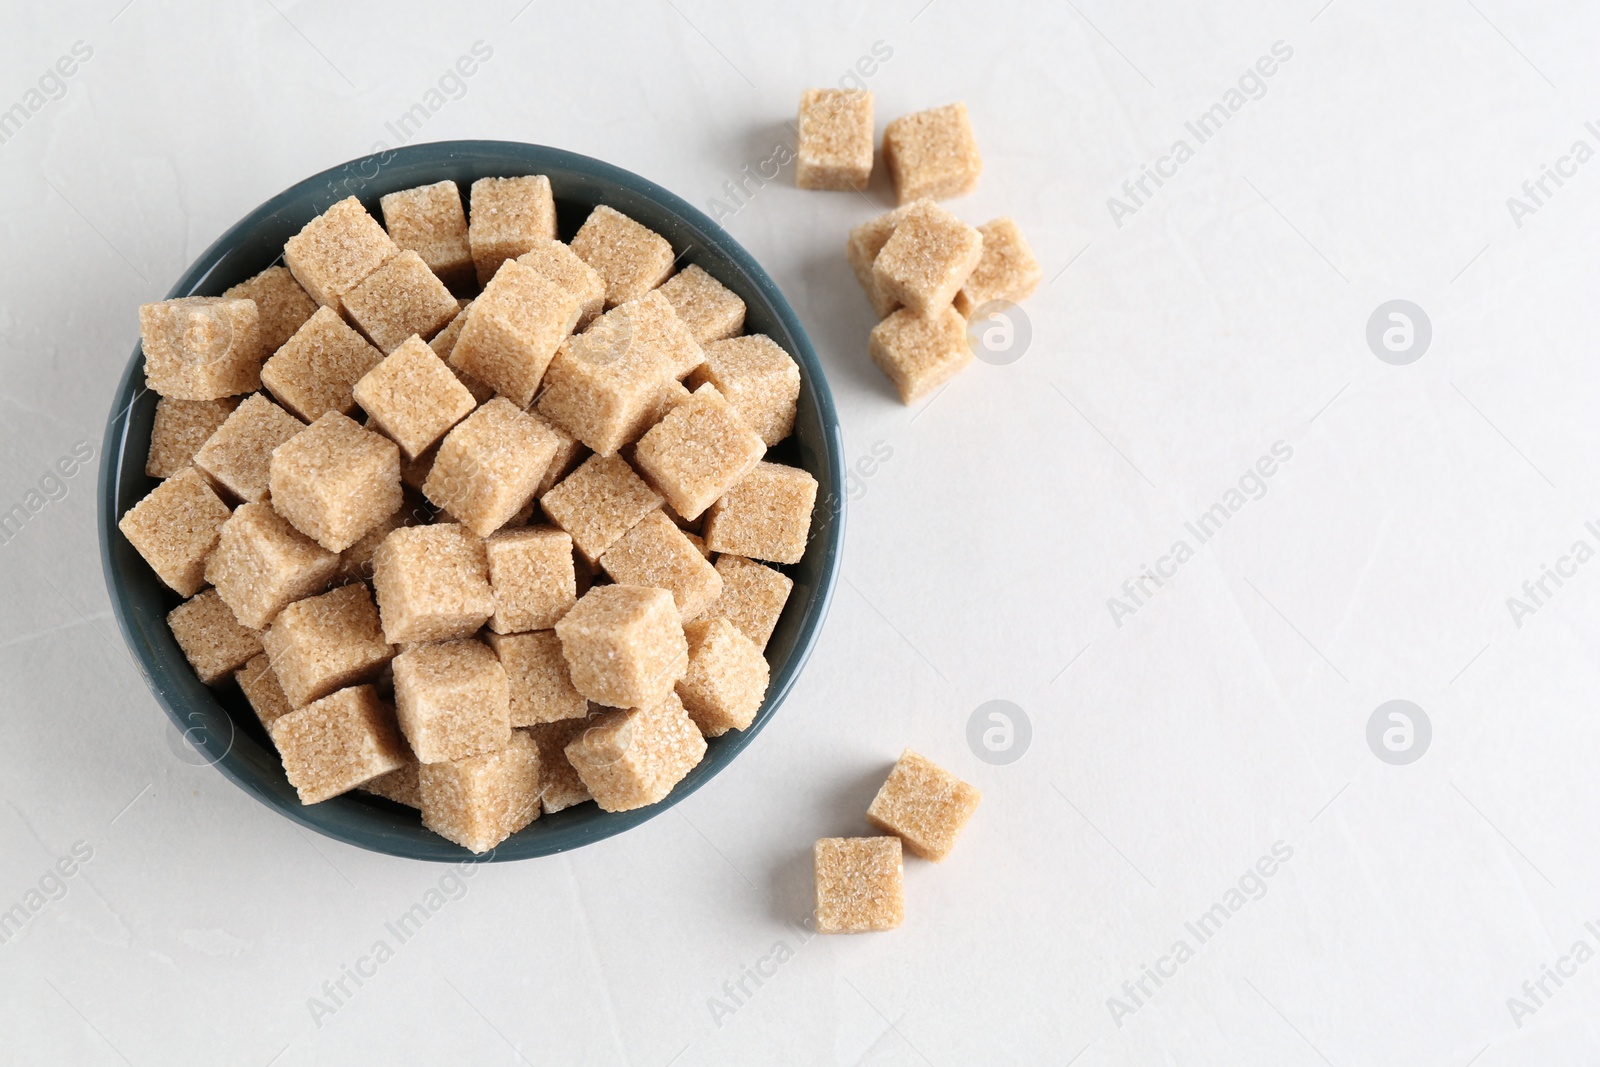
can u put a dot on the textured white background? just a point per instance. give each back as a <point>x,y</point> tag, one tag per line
<point>1226,715</point>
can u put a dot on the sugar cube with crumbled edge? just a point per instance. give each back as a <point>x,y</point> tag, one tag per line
<point>432,584</point>
<point>513,330</point>
<point>180,428</point>
<point>860,884</point>
<point>212,639</point>
<point>429,221</point>
<point>489,465</point>
<point>919,353</point>
<point>633,758</point>
<point>727,677</point>
<point>753,596</point>
<point>632,258</point>
<point>479,801</point>
<point>1006,272</point>
<point>400,298</point>
<point>452,699</point>
<point>598,503</point>
<point>260,687</point>
<point>334,744</point>
<point>656,553</point>
<point>175,527</point>
<point>624,645</point>
<point>710,309</point>
<point>932,153</point>
<point>531,574</point>
<point>401,785</point>
<point>237,456</point>
<point>924,804</point>
<point>413,397</point>
<point>833,141</point>
<point>758,378</point>
<point>536,670</point>
<point>509,215</point>
<point>927,258</point>
<point>698,451</point>
<point>313,372</point>
<point>282,307</point>
<point>326,642</point>
<point>262,564</point>
<point>559,785</point>
<point>337,250</point>
<point>561,264</point>
<point>862,248</point>
<point>201,347</point>
<point>335,480</point>
<point>767,515</point>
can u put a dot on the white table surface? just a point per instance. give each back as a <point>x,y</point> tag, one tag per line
<point>1226,715</point>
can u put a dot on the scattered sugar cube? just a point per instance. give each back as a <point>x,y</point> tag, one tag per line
<point>489,465</point>
<point>561,264</point>
<point>452,700</point>
<point>932,153</point>
<point>632,258</point>
<point>335,480</point>
<point>710,309</point>
<point>631,759</point>
<point>282,307</point>
<point>337,743</point>
<point>175,527</point>
<point>315,371</point>
<point>513,330</point>
<point>624,645</point>
<point>767,515</point>
<point>432,584</point>
<point>656,553</point>
<point>536,670</point>
<point>833,148</point>
<point>758,378</point>
<point>237,456</point>
<point>212,639</point>
<point>260,685</point>
<point>925,805</point>
<point>336,251</point>
<point>860,884</point>
<point>180,428</point>
<point>865,242</point>
<point>429,221</point>
<point>201,347</point>
<point>569,453</point>
<point>726,680</point>
<point>598,503</point>
<point>753,596</point>
<point>262,564</point>
<point>927,258</point>
<point>480,801</point>
<point>444,342</point>
<point>698,451</point>
<point>509,216</point>
<point>919,353</point>
<point>531,573</point>
<point>401,298</point>
<point>326,642</point>
<point>355,562</point>
<point>413,396</point>
<point>1007,271</point>
<point>403,786</point>
<point>559,785</point>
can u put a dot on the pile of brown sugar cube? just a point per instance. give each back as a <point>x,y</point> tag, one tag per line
<point>926,273</point>
<point>484,557</point>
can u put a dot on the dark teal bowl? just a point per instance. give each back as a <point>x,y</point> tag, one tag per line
<point>219,723</point>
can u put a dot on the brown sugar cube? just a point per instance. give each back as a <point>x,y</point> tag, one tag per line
<point>624,645</point>
<point>335,480</point>
<point>1007,270</point>
<point>753,596</point>
<point>432,584</point>
<point>429,221</point>
<point>758,378</point>
<point>598,503</point>
<point>175,528</point>
<point>260,685</point>
<point>927,259</point>
<point>698,451</point>
<point>413,397</point>
<point>632,258</point>
<point>489,465</point>
<point>315,371</point>
<point>932,153</point>
<point>414,472</point>
<point>766,516</point>
<point>833,146</point>
<point>509,216</point>
<point>355,562</point>
<point>726,680</point>
<point>326,642</point>
<point>631,759</point>
<point>400,298</point>
<point>656,553</point>
<point>238,454</point>
<point>452,700</point>
<point>212,639</point>
<point>337,743</point>
<point>924,804</point>
<point>561,264</point>
<point>865,242</point>
<point>180,428</point>
<point>262,564</point>
<point>403,786</point>
<point>860,884</point>
<point>710,309</point>
<point>569,453</point>
<point>480,801</point>
<point>536,670</point>
<point>919,353</point>
<point>201,347</point>
<point>282,307</point>
<point>559,785</point>
<point>531,573</point>
<point>513,330</point>
<point>337,250</point>
<point>699,544</point>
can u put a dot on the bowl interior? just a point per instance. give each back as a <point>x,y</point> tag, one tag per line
<point>219,723</point>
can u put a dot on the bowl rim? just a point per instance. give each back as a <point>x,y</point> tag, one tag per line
<point>336,184</point>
